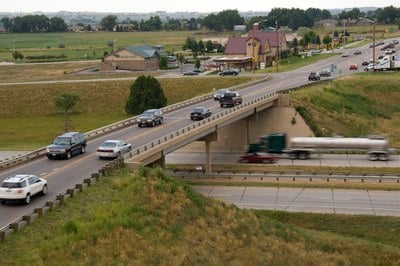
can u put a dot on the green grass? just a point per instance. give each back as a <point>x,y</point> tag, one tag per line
<point>360,105</point>
<point>29,119</point>
<point>148,218</point>
<point>91,44</point>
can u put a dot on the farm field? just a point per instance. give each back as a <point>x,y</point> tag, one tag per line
<point>89,45</point>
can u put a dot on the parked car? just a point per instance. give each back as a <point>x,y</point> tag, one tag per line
<point>365,63</point>
<point>229,72</point>
<point>353,67</point>
<point>196,70</point>
<point>151,118</point>
<point>314,76</point>
<point>345,55</point>
<point>258,157</point>
<point>230,99</point>
<point>67,145</point>
<point>113,149</point>
<point>190,73</point>
<point>357,52</point>
<point>219,93</point>
<point>22,187</point>
<point>325,73</point>
<point>200,113</point>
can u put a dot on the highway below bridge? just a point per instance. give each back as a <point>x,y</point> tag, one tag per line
<point>64,174</point>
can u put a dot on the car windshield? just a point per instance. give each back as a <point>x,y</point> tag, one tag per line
<point>11,185</point>
<point>222,91</point>
<point>148,113</point>
<point>109,144</point>
<point>62,141</point>
<point>198,110</point>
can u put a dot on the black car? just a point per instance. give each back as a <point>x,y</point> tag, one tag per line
<point>66,145</point>
<point>314,76</point>
<point>150,117</point>
<point>365,63</point>
<point>229,72</point>
<point>199,113</point>
<point>190,73</point>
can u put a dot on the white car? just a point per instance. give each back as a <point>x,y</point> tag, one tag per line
<point>113,149</point>
<point>22,187</point>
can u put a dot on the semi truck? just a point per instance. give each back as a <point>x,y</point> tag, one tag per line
<point>388,62</point>
<point>377,147</point>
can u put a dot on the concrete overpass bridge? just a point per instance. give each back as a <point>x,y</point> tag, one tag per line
<point>230,130</point>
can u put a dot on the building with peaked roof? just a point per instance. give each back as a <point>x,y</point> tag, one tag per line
<point>257,48</point>
<point>132,58</point>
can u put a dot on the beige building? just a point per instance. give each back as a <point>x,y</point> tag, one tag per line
<point>132,58</point>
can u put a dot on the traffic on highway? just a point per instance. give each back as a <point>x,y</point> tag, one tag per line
<point>61,174</point>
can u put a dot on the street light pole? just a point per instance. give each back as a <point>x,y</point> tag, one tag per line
<point>253,60</point>
<point>277,47</point>
<point>373,48</point>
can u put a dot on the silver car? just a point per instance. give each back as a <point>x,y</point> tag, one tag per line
<point>113,149</point>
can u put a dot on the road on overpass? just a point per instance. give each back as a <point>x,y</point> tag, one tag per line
<point>333,201</point>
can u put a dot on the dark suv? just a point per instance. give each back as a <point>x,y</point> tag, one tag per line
<point>314,76</point>
<point>66,145</point>
<point>150,117</point>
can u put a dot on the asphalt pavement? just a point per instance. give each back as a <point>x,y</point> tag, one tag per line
<point>315,200</point>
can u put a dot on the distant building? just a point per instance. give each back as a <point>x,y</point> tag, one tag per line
<point>258,47</point>
<point>132,58</point>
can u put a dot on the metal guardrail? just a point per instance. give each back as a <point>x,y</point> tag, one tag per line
<point>287,175</point>
<point>121,124</point>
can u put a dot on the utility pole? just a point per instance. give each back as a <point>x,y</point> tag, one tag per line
<point>253,60</point>
<point>277,47</point>
<point>344,34</point>
<point>13,43</point>
<point>115,40</point>
<point>333,36</point>
<point>373,48</point>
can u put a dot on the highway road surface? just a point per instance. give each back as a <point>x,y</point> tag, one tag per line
<point>334,201</point>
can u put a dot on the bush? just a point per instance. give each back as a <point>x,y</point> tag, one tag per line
<point>61,45</point>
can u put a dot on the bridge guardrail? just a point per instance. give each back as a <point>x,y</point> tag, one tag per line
<point>184,130</point>
<point>120,124</point>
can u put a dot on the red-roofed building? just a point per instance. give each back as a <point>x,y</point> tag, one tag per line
<point>258,46</point>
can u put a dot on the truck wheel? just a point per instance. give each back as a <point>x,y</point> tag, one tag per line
<point>83,149</point>
<point>153,123</point>
<point>303,156</point>
<point>373,157</point>
<point>68,155</point>
<point>222,105</point>
<point>161,120</point>
<point>382,157</point>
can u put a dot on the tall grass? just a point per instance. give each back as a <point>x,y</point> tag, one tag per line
<point>147,218</point>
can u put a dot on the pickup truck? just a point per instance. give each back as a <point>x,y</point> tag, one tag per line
<point>230,99</point>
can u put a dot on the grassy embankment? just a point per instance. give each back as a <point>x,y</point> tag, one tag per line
<point>30,120</point>
<point>147,218</point>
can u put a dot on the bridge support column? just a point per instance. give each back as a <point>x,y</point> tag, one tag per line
<point>208,157</point>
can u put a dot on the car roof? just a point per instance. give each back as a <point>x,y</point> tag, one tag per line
<point>17,178</point>
<point>69,134</point>
<point>112,141</point>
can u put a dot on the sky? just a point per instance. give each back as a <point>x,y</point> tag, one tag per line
<point>140,6</point>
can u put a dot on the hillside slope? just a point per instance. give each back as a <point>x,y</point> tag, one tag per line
<point>148,218</point>
<point>358,105</point>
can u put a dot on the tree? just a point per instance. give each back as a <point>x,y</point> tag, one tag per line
<point>201,48</point>
<point>66,102</point>
<point>209,46</point>
<point>181,59</point>
<point>109,22</point>
<point>163,62</point>
<point>7,23</point>
<point>327,39</point>
<point>197,64</point>
<point>145,93</point>
<point>17,55</point>
<point>57,24</point>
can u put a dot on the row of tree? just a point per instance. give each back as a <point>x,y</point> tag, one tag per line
<point>225,20</point>
<point>34,23</point>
